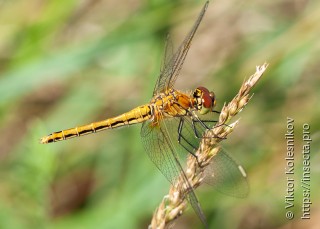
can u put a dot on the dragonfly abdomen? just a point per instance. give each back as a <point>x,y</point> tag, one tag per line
<point>137,115</point>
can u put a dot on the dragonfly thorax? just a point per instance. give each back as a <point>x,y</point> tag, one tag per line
<point>171,103</point>
<point>204,100</point>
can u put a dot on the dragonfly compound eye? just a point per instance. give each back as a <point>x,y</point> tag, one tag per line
<point>205,100</point>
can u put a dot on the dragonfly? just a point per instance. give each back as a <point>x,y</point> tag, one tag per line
<point>173,123</point>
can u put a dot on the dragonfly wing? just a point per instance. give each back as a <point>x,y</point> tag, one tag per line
<point>162,150</point>
<point>172,64</point>
<point>223,173</point>
<point>166,69</point>
<point>162,145</point>
<point>227,176</point>
<point>168,54</point>
<point>192,129</point>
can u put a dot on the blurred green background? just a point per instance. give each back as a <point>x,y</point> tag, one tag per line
<point>66,63</point>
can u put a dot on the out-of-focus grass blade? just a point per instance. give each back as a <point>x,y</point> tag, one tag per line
<point>61,64</point>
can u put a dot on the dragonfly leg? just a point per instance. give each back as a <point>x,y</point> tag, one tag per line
<point>195,119</point>
<point>181,137</point>
<point>195,129</point>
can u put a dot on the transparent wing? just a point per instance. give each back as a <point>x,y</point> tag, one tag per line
<point>172,64</point>
<point>167,145</point>
<point>164,147</point>
<point>223,173</point>
<point>227,176</point>
<point>162,150</point>
<point>168,54</point>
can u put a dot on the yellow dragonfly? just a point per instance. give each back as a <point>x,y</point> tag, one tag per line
<point>172,125</point>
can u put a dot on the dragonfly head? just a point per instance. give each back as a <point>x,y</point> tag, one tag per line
<point>204,100</point>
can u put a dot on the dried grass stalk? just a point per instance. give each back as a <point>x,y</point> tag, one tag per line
<point>174,204</point>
